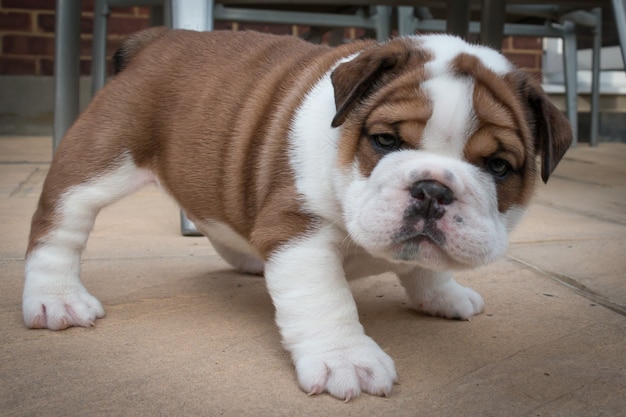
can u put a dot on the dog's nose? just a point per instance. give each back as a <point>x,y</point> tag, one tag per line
<point>430,198</point>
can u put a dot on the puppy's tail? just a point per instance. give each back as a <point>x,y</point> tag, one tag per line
<point>135,43</point>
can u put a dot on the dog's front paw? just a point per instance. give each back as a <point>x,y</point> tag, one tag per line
<point>57,310</point>
<point>451,300</point>
<point>345,372</point>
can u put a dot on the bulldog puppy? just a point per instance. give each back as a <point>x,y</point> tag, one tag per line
<point>311,165</point>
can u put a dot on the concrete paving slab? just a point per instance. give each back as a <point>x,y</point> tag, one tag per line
<point>602,165</point>
<point>549,224</point>
<point>596,267</point>
<point>25,149</point>
<point>590,181</point>
<point>202,342</point>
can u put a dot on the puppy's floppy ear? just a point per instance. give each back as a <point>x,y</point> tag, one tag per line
<point>551,130</point>
<point>355,80</point>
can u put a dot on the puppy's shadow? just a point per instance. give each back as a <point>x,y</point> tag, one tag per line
<point>238,293</point>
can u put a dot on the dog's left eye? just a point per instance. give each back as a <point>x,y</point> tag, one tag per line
<point>498,167</point>
<point>386,142</point>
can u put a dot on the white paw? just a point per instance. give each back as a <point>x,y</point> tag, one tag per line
<point>452,301</point>
<point>57,310</point>
<point>345,372</point>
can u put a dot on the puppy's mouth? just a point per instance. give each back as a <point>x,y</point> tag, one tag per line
<point>409,241</point>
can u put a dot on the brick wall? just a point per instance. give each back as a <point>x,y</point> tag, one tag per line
<point>525,52</point>
<point>27,36</point>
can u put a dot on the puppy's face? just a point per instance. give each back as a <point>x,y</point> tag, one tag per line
<point>437,155</point>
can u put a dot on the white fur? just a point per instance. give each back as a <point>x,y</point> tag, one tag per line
<point>319,322</point>
<point>452,120</point>
<point>54,296</point>
<point>445,48</point>
<point>438,294</point>
<point>232,247</point>
<point>313,150</point>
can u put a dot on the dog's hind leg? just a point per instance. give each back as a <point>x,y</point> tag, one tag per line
<point>73,194</point>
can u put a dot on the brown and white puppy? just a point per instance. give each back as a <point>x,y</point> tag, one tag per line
<point>309,164</point>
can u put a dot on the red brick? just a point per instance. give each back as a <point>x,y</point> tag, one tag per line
<point>47,66</point>
<point>135,11</point>
<point>14,21</point>
<point>126,25</point>
<point>222,25</point>
<point>29,4</point>
<point>85,67</point>
<point>506,43</point>
<point>28,45</point>
<point>86,47</point>
<point>123,11</point>
<point>113,44</point>
<point>536,74</point>
<point>301,30</point>
<point>527,61</point>
<point>88,5</point>
<point>17,66</point>
<point>143,11</point>
<point>527,43</point>
<point>359,33</point>
<point>47,23</point>
<point>275,29</point>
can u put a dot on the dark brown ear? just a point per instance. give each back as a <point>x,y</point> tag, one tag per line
<point>355,80</point>
<point>551,130</point>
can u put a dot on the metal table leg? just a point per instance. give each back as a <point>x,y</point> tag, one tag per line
<point>458,17</point>
<point>66,67</point>
<point>194,15</point>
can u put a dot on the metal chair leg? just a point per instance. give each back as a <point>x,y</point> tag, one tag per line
<point>99,45</point>
<point>570,66</point>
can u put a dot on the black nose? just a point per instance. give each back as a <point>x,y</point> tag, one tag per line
<point>430,198</point>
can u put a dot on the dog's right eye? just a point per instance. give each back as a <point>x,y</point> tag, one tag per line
<point>386,142</point>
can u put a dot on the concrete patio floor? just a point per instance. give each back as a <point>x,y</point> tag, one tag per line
<point>186,336</point>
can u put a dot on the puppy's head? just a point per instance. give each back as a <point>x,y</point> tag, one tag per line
<point>438,149</point>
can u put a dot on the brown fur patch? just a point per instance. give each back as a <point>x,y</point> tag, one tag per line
<point>502,132</point>
<point>209,114</point>
<point>551,131</point>
<point>388,101</point>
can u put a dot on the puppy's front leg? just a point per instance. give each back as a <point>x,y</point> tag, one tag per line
<point>319,323</point>
<point>438,294</point>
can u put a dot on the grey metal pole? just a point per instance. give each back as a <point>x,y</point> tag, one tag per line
<point>492,23</point>
<point>458,17</point>
<point>192,14</point>
<point>383,21</point>
<point>99,46</point>
<point>66,67</point>
<point>595,77</point>
<point>570,67</point>
<point>619,9</point>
